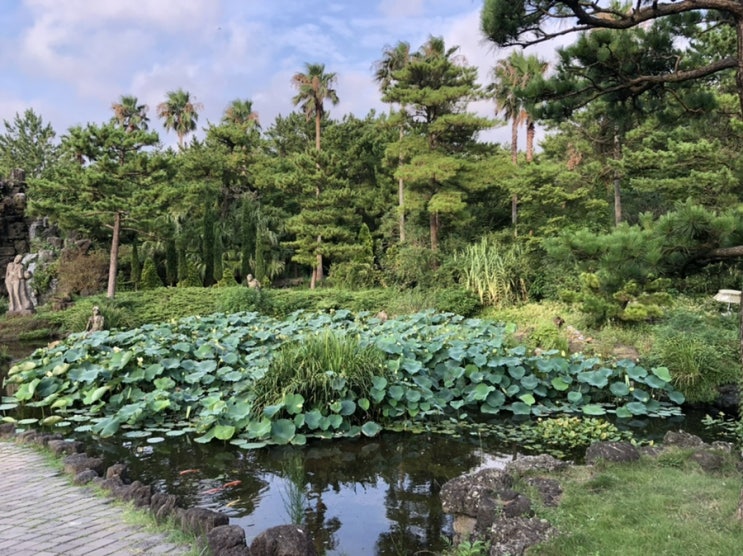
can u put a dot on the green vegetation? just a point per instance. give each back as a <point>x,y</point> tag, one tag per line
<point>666,505</point>
<point>252,379</point>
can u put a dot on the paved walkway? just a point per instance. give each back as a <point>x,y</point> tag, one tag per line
<point>43,514</point>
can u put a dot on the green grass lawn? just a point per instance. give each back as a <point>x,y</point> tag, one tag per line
<point>665,506</point>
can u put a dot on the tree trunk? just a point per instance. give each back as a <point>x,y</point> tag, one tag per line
<point>113,262</point>
<point>531,131</point>
<point>401,197</point>
<point>739,71</point>
<point>515,161</point>
<point>434,230</point>
<point>617,183</point>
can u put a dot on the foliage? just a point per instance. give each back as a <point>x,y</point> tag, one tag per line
<point>468,548</point>
<point>81,273</point>
<point>201,373</point>
<point>321,369</point>
<point>150,279</point>
<point>456,300</point>
<point>699,347</point>
<point>27,144</point>
<point>409,266</point>
<point>497,273</point>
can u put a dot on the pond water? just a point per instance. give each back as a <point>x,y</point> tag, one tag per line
<point>376,496</point>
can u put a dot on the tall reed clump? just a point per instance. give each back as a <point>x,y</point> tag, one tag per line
<point>323,368</point>
<point>497,273</point>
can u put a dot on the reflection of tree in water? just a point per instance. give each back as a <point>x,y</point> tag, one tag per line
<point>412,499</point>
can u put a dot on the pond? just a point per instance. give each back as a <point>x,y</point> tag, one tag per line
<point>376,496</point>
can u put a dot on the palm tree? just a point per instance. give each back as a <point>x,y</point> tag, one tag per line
<point>313,88</point>
<point>179,113</point>
<point>512,75</point>
<point>129,114</point>
<point>240,112</point>
<point>395,59</point>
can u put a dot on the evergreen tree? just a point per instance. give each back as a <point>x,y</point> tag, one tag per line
<point>27,144</point>
<point>435,87</point>
<point>102,183</point>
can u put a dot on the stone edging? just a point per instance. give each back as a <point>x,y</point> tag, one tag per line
<point>212,527</point>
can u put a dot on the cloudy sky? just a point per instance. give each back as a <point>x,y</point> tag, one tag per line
<point>70,59</point>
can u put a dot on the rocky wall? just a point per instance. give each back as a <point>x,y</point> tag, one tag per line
<point>14,225</point>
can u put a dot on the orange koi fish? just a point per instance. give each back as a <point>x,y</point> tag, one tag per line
<point>189,471</point>
<point>232,484</point>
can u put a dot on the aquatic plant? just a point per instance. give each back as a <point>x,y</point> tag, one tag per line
<point>247,378</point>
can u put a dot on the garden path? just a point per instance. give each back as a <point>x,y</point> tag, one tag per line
<point>43,514</point>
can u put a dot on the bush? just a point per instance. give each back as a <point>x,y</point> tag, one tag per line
<point>700,350</point>
<point>459,301</point>
<point>82,274</point>
<point>150,279</point>
<point>353,275</point>
<point>409,266</point>
<point>237,298</point>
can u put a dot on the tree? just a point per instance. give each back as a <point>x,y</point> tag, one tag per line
<point>240,113</point>
<point>129,114</point>
<point>435,87</point>
<point>528,22</point>
<point>394,59</point>
<point>179,113</point>
<point>313,88</point>
<point>512,76</point>
<point>28,144</point>
<point>101,182</point>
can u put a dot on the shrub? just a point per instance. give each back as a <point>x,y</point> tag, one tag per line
<point>409,266</point>
<point>700,350</point>
<point>82,274</point>
<point>353,275</point>
<point>237,298</point>
<point>459,301</point>
<point>150,279</point>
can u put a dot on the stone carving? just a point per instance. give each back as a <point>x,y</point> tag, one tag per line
<point>16,282</point>
<point>96,321</point>
<point>252,282</point>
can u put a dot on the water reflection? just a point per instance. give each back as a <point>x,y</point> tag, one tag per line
<point>365,496</point>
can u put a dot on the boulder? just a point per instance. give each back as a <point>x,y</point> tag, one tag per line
<point>541,463</point>
<point>463,495</point>
<point>84,477</point>
<point>283,540</point>
<point>682,439</point>
<point>162,505</point>
<point>65,447</point>
<point>200,520</point>
<point>512,536</point>
<point>618,452</point>
<point>76,463</point>
<point>227,540</point>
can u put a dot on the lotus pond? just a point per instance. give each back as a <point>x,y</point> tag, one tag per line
<point>233,412</point>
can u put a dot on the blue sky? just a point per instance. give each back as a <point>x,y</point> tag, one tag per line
<point>70,59</point>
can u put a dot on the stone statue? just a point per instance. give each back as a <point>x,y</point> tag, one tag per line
<point>96,321</point>
<point>16,282</point>
<point>252,282</point>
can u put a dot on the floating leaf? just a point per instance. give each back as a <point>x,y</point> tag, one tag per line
<point>593,409</point>
<point>370,428</point>
<point>224,432</point>
<point>282,431</point>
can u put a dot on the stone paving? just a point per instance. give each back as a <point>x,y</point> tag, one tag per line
<point>43,514</point>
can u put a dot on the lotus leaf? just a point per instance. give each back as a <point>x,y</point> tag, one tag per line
<point>662,373</point>
<point>593,409</point>
<point>619,388</point>
<point>519,408</point>
<point>370,428</point>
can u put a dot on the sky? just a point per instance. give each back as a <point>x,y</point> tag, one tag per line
<point>70,60</point>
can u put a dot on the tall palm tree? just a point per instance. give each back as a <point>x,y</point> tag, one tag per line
<point>313,88</point>
<point>511,76</point>
<point>240,112</point>
<point>394,59</point>
<point>129,114</point>
<point>179,113</point>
